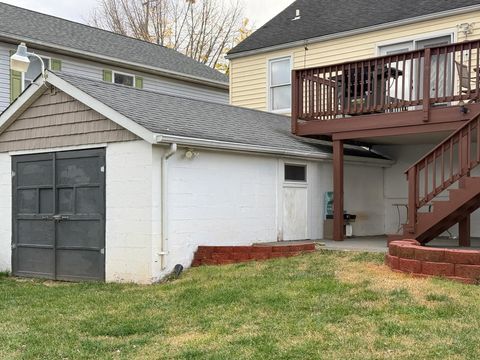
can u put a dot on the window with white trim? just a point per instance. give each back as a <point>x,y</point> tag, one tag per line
<point>295,172</point>
<point>280,96</point>
<point>123,79</point>
<point>34,69</point>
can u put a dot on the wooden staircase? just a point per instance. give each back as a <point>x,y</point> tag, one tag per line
<point>446,171</point>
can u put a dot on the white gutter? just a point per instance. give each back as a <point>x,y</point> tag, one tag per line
<point>14,39</point>
<point>164,208</point>
<point>356,31</point>
<point>223,145</point>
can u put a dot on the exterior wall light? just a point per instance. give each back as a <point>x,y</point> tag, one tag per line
<point>20,61</point>
<point>190,154</point>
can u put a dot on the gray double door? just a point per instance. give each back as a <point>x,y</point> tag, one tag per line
<point>59,215</point>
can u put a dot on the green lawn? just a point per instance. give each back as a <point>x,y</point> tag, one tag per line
<point>326,305</point>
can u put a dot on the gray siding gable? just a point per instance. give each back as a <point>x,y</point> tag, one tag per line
<point>93,70</point>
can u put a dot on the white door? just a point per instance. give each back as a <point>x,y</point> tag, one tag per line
<point>294,213</point>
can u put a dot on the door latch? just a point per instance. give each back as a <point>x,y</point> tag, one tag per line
<point>60,217</point>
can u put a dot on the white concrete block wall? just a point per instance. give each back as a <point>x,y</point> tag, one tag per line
<point>5,211</point>
<point>129,212</point>
<point>363,196</point>
<point>220,199</point>
<point>235,199</point>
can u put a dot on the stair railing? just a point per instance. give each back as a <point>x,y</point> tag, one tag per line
<point>447,163</point>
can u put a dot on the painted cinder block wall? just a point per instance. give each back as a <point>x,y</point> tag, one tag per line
<point>220,198</point>
<point>5,212</point>
<point>216,198</point>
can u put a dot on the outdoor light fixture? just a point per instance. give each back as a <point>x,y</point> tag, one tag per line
<point>20,61</point>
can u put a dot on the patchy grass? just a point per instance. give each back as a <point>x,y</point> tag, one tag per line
<point>326,305</point>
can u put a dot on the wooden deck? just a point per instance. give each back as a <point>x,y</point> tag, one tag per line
<point>421,91</point>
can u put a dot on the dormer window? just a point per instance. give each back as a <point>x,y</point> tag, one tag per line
<point>280,85</point>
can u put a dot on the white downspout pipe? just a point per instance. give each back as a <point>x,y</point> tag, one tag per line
<point>164,208</point>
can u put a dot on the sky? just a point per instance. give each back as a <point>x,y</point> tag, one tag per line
<point>258,11</point>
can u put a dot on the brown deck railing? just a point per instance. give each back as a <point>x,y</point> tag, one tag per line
<point>448,162</point>
<point>406,81</point>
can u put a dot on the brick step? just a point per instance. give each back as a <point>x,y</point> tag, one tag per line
<point>220,255</point>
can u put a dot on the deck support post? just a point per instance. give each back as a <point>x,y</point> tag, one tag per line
<point>464,232</point>
<point>338,221</point>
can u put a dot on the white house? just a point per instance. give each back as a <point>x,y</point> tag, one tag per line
<point>108,182</point>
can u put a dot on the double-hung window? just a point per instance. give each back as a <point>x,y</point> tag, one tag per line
<point>280,96</point>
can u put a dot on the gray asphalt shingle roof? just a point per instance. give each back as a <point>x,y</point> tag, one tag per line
<point>174,115</point>
<point>327,17</point>
<point>19,22</point>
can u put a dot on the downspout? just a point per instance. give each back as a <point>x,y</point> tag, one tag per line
<point>164,207</point>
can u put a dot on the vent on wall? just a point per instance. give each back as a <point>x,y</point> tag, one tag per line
<point>297,15</point>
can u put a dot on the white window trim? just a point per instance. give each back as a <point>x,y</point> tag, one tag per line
<point>295,183</point>
<point>421,37</point>
<point>269,86</point>
<point>49,67</point>
<point>122,73</point>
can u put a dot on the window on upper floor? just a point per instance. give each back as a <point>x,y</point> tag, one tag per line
<point>123,79</point>
<point>34,69</point>
<point>279,84</point>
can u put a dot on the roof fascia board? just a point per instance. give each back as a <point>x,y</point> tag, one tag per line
<point>101,108</point>
<point>28,97</point>
<point>224,145</point>
<point>356,31</point>
<point>14,39</point>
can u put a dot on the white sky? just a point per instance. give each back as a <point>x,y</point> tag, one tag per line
<point>258,11</point>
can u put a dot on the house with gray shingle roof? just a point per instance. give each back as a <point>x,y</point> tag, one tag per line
<point>400,77</point>
<point>106,182</point>
<point>86,51</point>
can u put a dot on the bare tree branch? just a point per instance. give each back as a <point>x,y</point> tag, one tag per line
<point>201,29</point>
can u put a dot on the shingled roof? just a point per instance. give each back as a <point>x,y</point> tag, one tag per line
<point>183,117</point>
<point>51,31</point>
<point>327,17</point>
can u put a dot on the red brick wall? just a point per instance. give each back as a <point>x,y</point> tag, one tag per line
<point>220,255</point>
<point>409,257</point>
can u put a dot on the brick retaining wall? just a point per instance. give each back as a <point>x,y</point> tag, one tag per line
<point>220,255</point>
<point>408,256</point>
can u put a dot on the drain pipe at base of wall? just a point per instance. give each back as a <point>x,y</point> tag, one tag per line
<point>164,208</point>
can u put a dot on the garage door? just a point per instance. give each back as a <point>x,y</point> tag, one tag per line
<point>59,215</point>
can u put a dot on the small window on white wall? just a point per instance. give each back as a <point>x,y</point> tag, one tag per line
<point>280,84</point>
<point>295,173</point>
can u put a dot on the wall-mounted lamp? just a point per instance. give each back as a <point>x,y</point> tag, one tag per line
<point>190,154</point>
<point>20,60</point>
